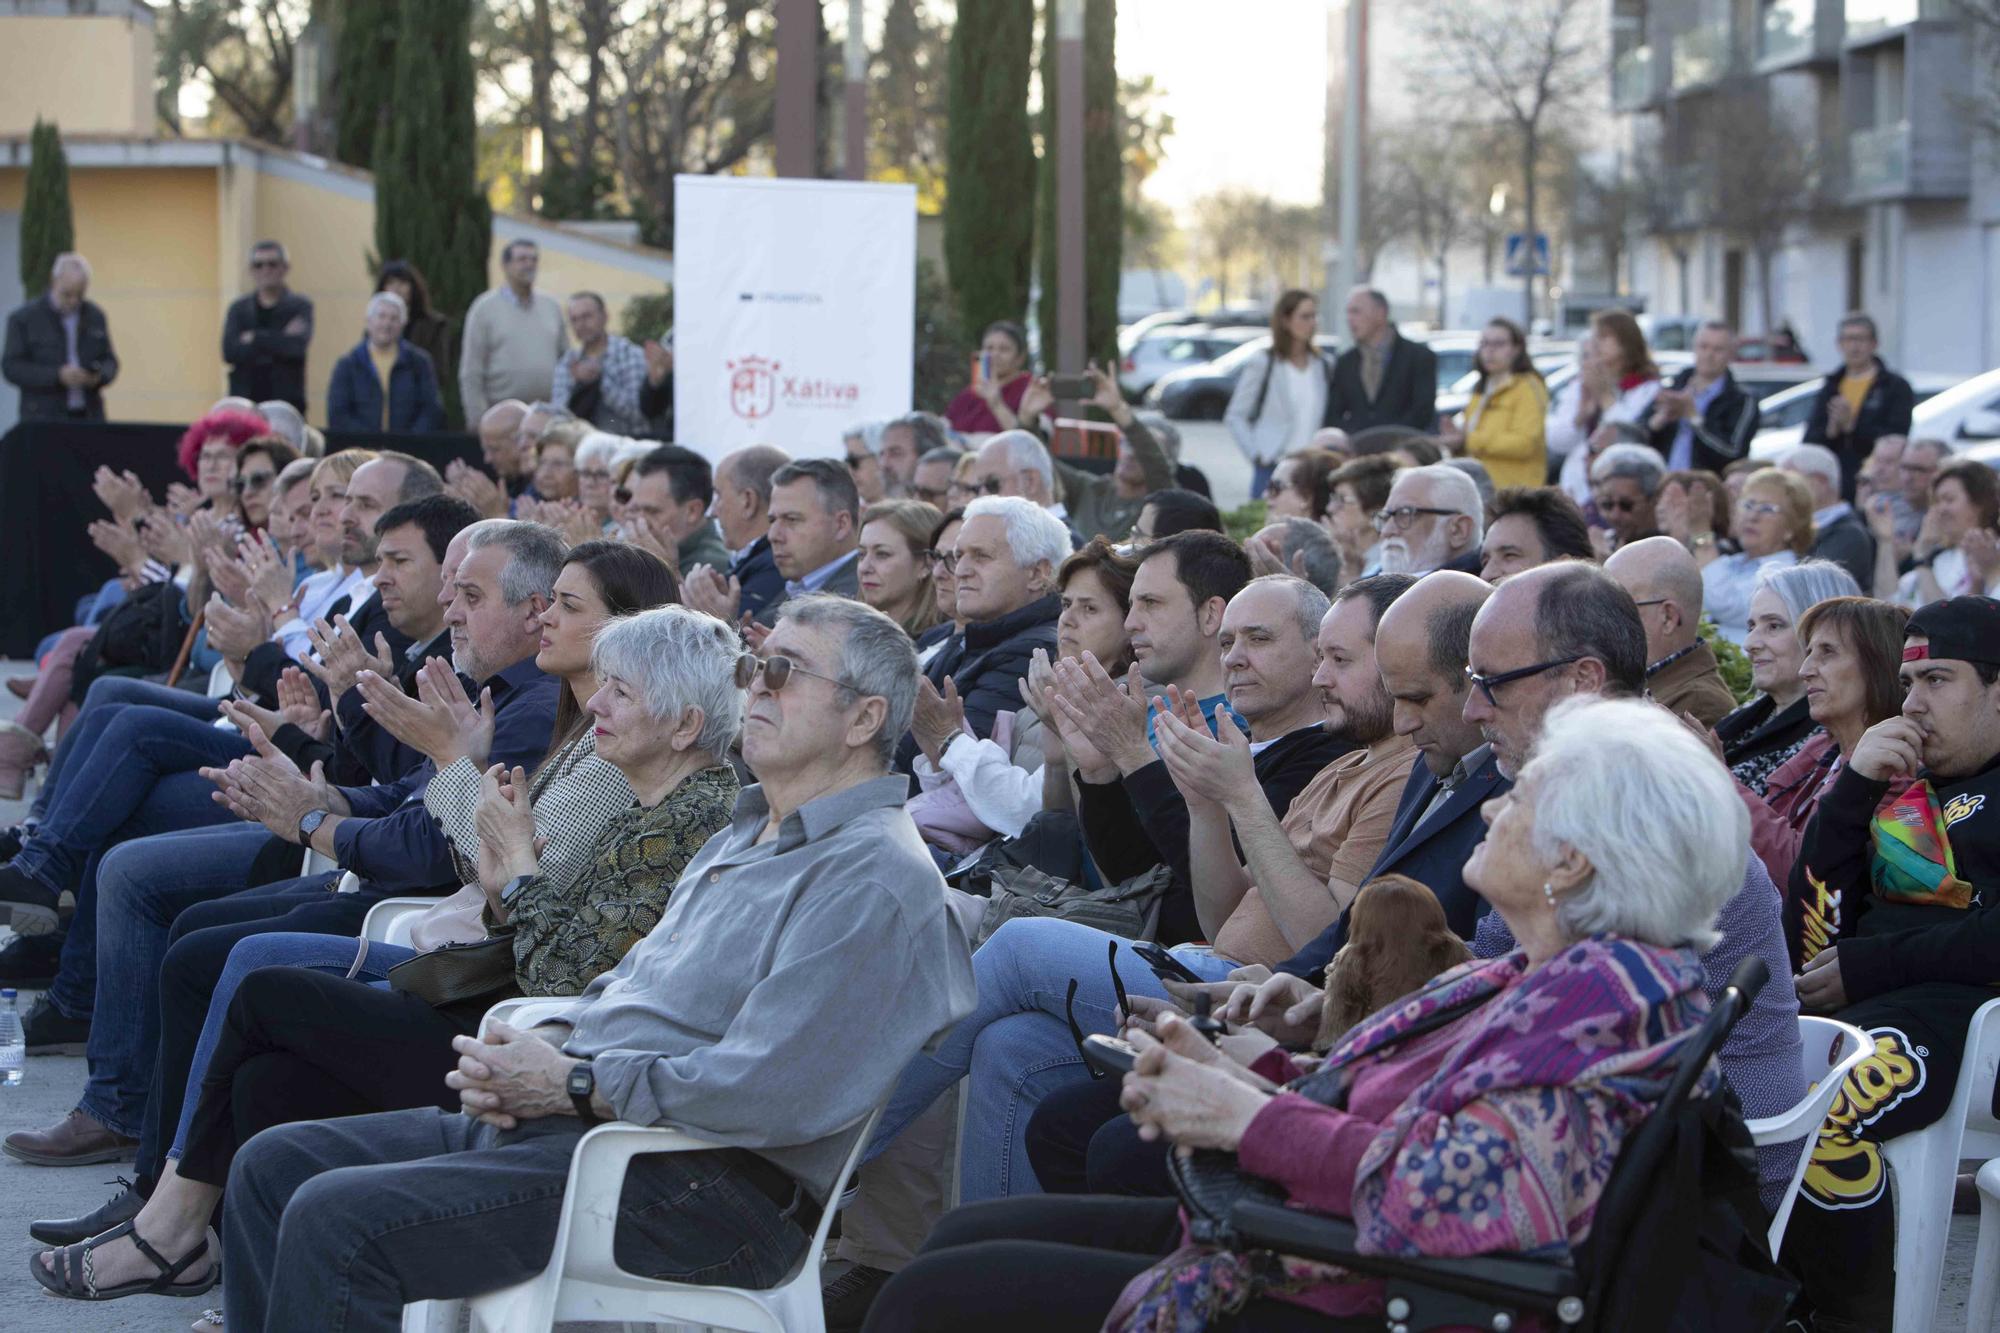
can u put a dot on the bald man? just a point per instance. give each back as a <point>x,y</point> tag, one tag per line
<point>1681,670</point>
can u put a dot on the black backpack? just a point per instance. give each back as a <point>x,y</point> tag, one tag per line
<point>141,637</point>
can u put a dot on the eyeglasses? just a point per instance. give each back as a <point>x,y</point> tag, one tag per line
<point>1650,601</point>
<point>1488,684</point>
<point>1339,501</point>
<point>1274,488</point>
<point>1069,1009</point>
<point>945,558</point>
<point>256,481</point>
<point>1618,504</point>
<point>1758,508</point>
<point>1916,469</point>
<point>267,263</point>
<point>776,670</point>
<point>1400,519</point>
<point>989,486</point>
<point>855,462</point>
<point>592,474</point>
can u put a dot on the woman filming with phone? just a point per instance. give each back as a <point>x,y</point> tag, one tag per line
<point>999,378</point>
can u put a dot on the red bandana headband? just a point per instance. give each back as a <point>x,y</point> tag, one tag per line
<point>1917,652</point>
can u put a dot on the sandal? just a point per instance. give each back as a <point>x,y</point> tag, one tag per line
<point>72,1278</point>
<point>207,1322</point>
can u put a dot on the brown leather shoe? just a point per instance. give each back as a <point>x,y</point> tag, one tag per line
<point>20,686</point>
<point>75,1140</point>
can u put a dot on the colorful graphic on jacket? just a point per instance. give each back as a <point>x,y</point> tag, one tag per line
<point>1913,861</point>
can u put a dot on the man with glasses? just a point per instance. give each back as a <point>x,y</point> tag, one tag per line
<point>1433,519</point>
<point>1682,674</point>
<point>1625,482</point>
<point>807,957</point>
<point>265,334</point>
<point>1895,489</point>
<point>932,484</point>
<point>1860,401</point>
<point>870,482</point>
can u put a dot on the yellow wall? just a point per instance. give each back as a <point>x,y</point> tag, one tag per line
<point>328,236</point>
<point>150,236</point>
<point>565,271</point>
<point>89,74</point>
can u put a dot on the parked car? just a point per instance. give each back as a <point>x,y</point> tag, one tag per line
<point>1783,415</point>
<point>1169,347</point>
<point>1201,393</point>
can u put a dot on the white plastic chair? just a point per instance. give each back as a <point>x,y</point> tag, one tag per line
<point>1923,1172</point>
<point>584,1284</point>
<point>1829,1050</point>
<point>1983,1304</point>
<point>390,921</point>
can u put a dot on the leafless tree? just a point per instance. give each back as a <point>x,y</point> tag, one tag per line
<point>1759,174</point>
<point>1429,193</point>
<point>1525,62</point>
<point>243,51</point>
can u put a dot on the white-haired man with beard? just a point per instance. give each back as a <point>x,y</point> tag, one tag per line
<point>1433,519</point>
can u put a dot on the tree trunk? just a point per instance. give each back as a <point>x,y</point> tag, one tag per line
<point>1531,150</point>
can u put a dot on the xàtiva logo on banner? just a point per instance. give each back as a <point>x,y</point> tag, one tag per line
<point>757,387</point>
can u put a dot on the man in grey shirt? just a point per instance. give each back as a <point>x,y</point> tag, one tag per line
<point>805,957</point>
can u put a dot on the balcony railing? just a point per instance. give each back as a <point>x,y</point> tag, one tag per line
<point>1701,56</point>
<point>1632,78</point>
<point>1785,30</point>
<point>1878,160</point>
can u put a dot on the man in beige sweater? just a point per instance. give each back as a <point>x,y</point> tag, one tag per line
<point>513,338</point>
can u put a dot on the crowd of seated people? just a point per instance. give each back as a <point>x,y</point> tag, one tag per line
<point>820,786</point>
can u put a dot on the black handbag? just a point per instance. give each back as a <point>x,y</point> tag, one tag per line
<point>142,635</point>
<point>1210,1184</point>
<point>458,973</point>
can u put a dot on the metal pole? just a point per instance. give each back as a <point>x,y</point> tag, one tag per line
<point>798,87</point>
<point>854,151</point>
<point>1069,186</point>
<point>1350,147</point>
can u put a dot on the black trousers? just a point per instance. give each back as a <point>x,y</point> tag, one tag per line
<point>198,947</point>
<point>1841,1241</point>
<point>298,1044</point>
<point>1080,1141</point>
<point>1051,1264</point>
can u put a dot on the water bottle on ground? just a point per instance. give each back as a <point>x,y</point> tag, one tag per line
<point>13,1046</point>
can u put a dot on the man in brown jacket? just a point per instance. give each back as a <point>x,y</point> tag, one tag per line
<point>1681,670</point>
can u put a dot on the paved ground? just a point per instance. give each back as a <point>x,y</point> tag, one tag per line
<point>1206,445</point>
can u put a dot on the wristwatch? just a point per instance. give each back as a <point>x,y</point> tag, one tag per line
<point>582,1083</point>
<point>310,825</point>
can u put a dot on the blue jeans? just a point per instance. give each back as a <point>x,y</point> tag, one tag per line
<point>1260,478</point>
<point>1017,1046</point>
<point>337,1224</point>
<point>322,953</point>
<point>142,887</point>
<point>107,696</point>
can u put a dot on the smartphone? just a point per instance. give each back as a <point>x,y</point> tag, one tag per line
<point>1071,388</point>
<point>982,367</point>
<point>1110,1055</point>
<point>1165,966</point>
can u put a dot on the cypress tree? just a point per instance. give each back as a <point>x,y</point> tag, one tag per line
<point>429,206</point>
<point>364,59</point>
<point>1103,188</point>
<point>47,227</point>
<point>989,217</point>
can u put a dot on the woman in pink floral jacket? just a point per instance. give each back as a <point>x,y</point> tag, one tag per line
<point>1481,1115</point>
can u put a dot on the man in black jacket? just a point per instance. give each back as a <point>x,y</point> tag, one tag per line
<point>1008,553</point>
<point>1894,908</point>
<point>1384,379</point>
<point>1860,401</point>
<point>265,335</point>
<point>1839,534</point>
<point>1704,419</point>
<point>58,351</point>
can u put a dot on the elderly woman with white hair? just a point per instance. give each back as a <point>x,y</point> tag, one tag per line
<point>298,1043</point>
<point>385,382</point>
<point>1512,1080</point>
<point>595,458</point>
<point>1761,735</point>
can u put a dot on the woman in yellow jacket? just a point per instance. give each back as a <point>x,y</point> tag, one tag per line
<point>1502,425</point>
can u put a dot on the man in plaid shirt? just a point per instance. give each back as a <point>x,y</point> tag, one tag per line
<point>600,378</point>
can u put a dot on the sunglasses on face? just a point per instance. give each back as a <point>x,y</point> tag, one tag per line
<point>855,462</point>
<point>1488,684</point>
<point>256,481</point>
<point>776,670</point>
<point>1617,504</point>
<point>267,263</point>
<point>1400,519</point>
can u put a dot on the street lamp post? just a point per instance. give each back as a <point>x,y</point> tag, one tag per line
<point>1070,258</point>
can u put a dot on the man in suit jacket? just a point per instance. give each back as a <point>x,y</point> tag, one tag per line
<point>58,351</point>
<point>1420,650</point>
<point>1384,379</point>
<point>742,510</point>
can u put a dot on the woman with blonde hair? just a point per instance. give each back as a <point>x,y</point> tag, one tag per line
<point>1774,528</point>
<point>895,567</point>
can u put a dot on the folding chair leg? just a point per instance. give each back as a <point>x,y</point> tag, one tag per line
<point>1922,1167</point>
<point>1980,1307</point>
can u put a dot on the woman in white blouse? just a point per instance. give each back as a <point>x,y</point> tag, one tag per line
<point>1619,383</point>
<point>1774,528</point>
<point>1280,398</point>
<point>1957,552</point>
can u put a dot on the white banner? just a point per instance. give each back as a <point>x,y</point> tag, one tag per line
<point>794,305</point>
